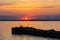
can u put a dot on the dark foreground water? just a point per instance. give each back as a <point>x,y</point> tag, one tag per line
<point>5,29</point>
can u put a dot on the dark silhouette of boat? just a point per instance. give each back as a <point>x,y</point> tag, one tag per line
<point>35,32</point>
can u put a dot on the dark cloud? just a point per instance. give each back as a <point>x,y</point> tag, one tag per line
<point>46,17</point>
<point>8,18</point>
<point>49,6</point>
<point>3,4</point>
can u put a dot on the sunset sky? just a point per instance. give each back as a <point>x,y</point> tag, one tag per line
<point>30,9</point>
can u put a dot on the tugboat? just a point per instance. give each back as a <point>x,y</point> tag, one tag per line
<point>35,32</point>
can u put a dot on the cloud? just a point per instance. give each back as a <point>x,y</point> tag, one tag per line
<point>44,17</point>
<point>49,6</point>
<point>3,4</point>
<point>10,17</point>
<point>11,13</point>
<point>47,17</point>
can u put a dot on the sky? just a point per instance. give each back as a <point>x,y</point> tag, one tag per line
<point>30,9</point>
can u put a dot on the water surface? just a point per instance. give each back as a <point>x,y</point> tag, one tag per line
<point>5,29</point>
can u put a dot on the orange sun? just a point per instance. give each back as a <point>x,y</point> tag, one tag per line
<point>27,18</point>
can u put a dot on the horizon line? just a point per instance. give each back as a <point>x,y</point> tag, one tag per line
<point>29,20</point>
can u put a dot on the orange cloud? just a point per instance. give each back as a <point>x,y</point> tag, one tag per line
<point>32,8</point>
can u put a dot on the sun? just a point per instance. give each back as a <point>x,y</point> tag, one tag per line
<point>27,18</point>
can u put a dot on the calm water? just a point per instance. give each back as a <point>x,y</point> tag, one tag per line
<point>5,29</point>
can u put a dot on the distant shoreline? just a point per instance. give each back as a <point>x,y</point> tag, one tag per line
<point>29,20</point>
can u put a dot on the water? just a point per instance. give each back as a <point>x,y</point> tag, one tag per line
<point>5,29</point>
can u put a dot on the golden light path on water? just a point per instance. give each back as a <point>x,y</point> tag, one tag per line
<point>36,24</point>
